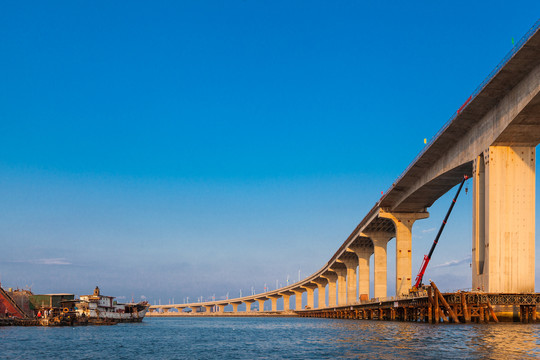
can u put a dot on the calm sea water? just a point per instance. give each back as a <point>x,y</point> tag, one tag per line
<point>271,338</point>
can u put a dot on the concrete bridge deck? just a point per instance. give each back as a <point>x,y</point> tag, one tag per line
<point>492,137</point>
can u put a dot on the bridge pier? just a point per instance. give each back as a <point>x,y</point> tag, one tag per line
<point>332,280</point>
<point>380,240</point>
<point>351,262</point>
<point>341,271</point>
<point>261,304</point>
<point>274,299</point>
<point>286,300</point>
<point>504,219</point>
<point>248,304</point>
<point>310,288</point>
<point>403,223</point>
<point>235,306</point>
<point>298,299</point>
<point>321,286</point>
<point>363,252</point>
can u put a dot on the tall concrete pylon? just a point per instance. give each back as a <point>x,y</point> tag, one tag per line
<point>321,286</point>
<point>248,304</point>
<point>403,223</point>
<point>274,299</point>
<point>363,252</point>
<point>504,219</point>
<point>298,298</point>
<point>341,272</point>
<point>235,306</point>
<point>310,298</point>
<point>332,281</point>
<point>286,300</point>
<point>351,262</point>
<point>261,304</point>
<point>380,240</point>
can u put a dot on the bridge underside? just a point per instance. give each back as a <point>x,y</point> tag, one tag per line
<point>426,195</point>
<point>524,129</point>
<point>505,112</point>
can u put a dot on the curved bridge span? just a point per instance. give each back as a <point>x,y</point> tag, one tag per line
<point>492,138</point>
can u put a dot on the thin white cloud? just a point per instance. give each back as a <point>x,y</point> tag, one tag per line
<point>453,263</point>
<point>425,231</point>
<point>51,261</point>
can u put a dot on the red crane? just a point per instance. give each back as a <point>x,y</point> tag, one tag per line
<point>420,276</point>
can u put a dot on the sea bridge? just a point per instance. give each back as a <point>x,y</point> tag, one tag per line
<point>492,138</point>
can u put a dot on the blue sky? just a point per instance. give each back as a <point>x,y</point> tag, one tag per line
<point>196,148</point>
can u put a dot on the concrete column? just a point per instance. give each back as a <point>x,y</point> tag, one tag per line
<point>221,308</point>
<point>321,286</point>
<point>332,280</point>
<point>310,295</point>
<point>363,271</point>
<point>286,302</point>
<point>274,302</point>
<point>341,272</point>
<point>380,240</point>
<point>248,304</point>
<point>235,307</point>
<point>504,219</point>
<point>298,299</point>
<point>479,222</point>
<point>180,308</point>
<point>310,298</point>
<point>261,304</point>
<point>208,308</point>
<point>351,262</point>
<point>403,223</point>
<point>351,284</point>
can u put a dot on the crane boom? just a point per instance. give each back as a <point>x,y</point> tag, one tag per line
<point>427,258</point>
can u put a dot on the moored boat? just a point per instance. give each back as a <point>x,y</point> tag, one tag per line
<point>101,309</point>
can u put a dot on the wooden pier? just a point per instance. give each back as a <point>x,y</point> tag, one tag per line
<point>432,306</point>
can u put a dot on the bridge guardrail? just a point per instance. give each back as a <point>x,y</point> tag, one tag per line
<point>478,89</point>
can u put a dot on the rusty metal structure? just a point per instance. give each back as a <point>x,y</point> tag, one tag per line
<point>431,306</point>
<point>8,306</point>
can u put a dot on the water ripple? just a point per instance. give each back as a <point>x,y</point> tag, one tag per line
<point>272,338</point>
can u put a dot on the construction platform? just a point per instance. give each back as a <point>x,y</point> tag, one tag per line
<point>431,306</point>
<point>224,314</point>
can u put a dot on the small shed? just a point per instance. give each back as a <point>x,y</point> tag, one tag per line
<point>49,300</point>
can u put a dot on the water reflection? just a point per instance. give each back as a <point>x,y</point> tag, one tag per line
<point>395,339</point>
<point>510,340</point>
<point>274,338</point>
